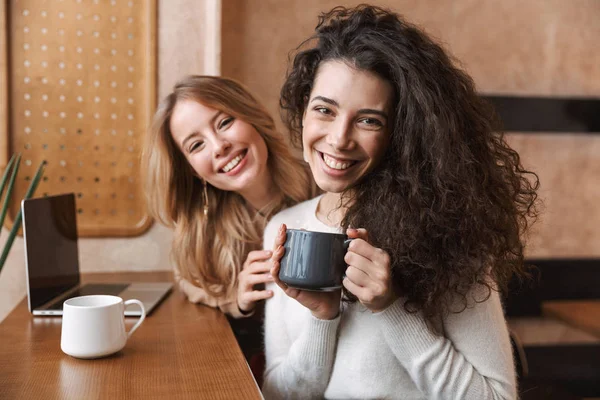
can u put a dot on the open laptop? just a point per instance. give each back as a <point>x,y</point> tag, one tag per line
<point>52,261</point>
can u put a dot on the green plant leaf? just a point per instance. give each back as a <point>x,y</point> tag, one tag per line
<point>35,181</point>
<point>11,184</point>
<point>17,223</point>
<point>5,174</point>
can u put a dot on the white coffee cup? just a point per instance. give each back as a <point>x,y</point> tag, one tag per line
<point>94,326</point>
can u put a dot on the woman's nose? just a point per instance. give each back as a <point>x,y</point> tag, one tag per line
<point>220,147</point>
<point>340,136</point>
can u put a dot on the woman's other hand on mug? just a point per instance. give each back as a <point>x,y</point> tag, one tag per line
<point>254,272</point>
<point>323,305</point>
<point>369,275</point>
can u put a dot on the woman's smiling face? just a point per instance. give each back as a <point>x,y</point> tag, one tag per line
<point>345,125</point>
<point>227,152</point>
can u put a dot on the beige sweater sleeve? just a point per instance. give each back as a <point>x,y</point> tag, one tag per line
<point>197,295</point>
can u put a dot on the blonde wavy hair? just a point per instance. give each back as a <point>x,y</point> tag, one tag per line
<point>210,250</point>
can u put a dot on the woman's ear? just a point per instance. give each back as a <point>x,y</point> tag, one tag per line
<point>304,112</point>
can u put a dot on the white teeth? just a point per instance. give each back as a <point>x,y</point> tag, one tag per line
<point>231,164</point>
<point>333,163</point>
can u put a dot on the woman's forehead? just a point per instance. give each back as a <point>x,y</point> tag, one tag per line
<point>350,87</point>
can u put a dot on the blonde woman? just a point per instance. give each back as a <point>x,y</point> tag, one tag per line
<point>215,170</point>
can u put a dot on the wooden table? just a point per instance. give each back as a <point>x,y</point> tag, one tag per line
<point>584,314</point>
<point>181,351</point>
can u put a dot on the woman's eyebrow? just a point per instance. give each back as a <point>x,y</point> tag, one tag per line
<point>196,133</point>
<point>326,100</point>
<point>188,138</point>
<point>361,111</point>
<point>373,111</point>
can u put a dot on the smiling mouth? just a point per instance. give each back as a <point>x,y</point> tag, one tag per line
<point>336,163</point>
<point>234,163</point>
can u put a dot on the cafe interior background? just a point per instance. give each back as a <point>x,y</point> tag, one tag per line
<point>513,49</point>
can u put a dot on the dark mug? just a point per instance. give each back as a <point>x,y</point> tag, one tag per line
<point>314,260</point>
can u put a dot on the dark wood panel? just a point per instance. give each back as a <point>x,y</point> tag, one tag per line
<point>575,368</point>
<point>547,114</point>
<point>553,279</point>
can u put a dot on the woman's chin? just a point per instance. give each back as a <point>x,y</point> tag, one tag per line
<point>246,181</point>
<point>332,187</point>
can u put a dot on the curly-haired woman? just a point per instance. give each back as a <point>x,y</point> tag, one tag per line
<point>414,169</point>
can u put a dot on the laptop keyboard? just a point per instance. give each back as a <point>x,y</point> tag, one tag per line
<point>89,289</point>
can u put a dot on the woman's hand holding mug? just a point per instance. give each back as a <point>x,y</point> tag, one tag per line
<point>369,275</point>
<point>322,304</point>
<point>255,271</point>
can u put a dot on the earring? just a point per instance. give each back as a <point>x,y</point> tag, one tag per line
<point>205,191</point>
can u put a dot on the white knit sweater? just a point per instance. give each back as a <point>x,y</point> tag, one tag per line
<point>391,354</point>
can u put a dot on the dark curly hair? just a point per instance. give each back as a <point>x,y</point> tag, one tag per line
<point>450,200</point>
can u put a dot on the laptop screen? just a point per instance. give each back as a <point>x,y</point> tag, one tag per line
<point>51,254</point>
